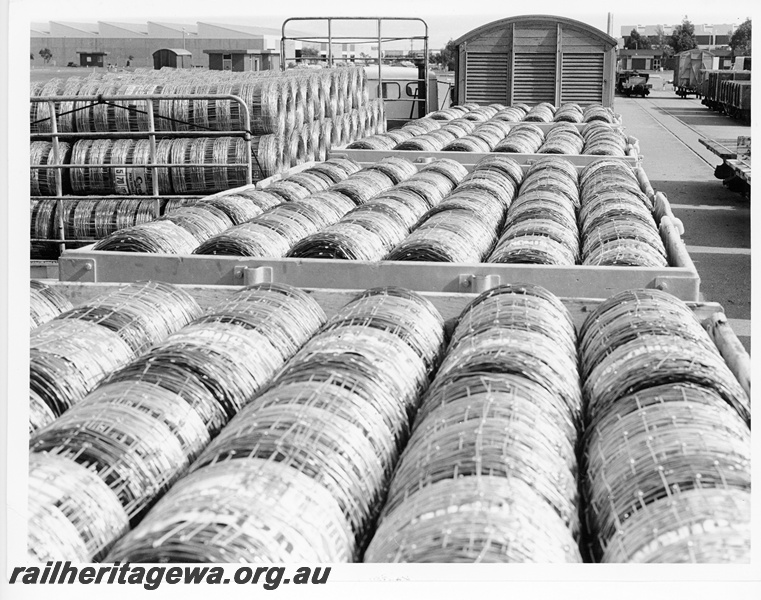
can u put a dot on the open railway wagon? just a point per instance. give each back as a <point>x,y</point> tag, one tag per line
<point>733,98</point>
<point>353,423</point>
<point>689,73</point>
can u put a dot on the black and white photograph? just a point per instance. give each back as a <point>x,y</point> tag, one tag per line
<point>363,300</point>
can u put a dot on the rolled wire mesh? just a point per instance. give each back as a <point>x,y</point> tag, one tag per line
<point>602,139</point>
<point>544,112</point>
<point>512,114</point>
<point>374,227</point>
<point>72,514</point>
<point>40,414</point>
<point>69,357</point>
<point>139,431</point>
<point>281,485</point>
<point>596,112</point>
<point>616,221</point>
<point>562,139</point>
<point>523,138</point>
<point>648,338</point>
<point>42,181</point>
<point>142,313</point>
<point>569,112</point>
<point>202,222</point>
<point>45,303</point>
<point>489,472</point>
<point>667,478</point>
<point>540,226</point>
<point>155,237</point>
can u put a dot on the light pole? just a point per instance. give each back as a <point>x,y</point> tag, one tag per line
<point>183,38</point>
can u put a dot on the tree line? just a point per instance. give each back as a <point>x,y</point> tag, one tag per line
<point>683,38</point>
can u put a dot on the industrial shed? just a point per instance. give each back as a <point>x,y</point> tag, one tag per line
<point>535,58</point>
<point>177,58</point>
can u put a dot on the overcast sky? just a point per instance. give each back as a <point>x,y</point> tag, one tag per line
<point>446,18</point>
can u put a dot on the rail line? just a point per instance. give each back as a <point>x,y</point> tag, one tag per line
<point>651,114</point>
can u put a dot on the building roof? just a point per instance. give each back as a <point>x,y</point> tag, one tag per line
<point>234,51</point>
<point>248,29</point>
<point>177,51</point>
<point>140,29</point>
<point>71,29</point>
<point>503,23</point>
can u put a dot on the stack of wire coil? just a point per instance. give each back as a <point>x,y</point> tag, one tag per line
<point>667,442</point>
<point>523,138</point>
<point>483,138</point>
<point>371,230</point>
<point>309,202</point>
<point>489,473</point>
<point>300,473</point>
<point>563,138</point>
<point>138,432</point>
<point>463,226</point>
<point>244,221</point>
<point>72,353</point>
<point>602,139</point>
<point>41,180</point>
<point>544,112</point>
<point>100,178</point>
<point>541,223</point>
<point>570,112</point>
<point>597,112</point>
<point>616,219</point>
<point>45,303</point>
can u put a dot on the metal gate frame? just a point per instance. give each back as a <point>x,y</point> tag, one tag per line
<point>55,136</point>
<point>360,39</point>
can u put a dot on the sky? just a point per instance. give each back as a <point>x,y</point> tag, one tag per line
<point>447,19</point>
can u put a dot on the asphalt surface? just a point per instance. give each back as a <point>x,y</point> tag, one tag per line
<point>716,220</point>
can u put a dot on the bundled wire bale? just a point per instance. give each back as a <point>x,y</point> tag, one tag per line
<point>544,112</point>
<point>462,227</point>
<point>602,139</point>
<point>650,338</point>
<point>511,114</point>
<point>45,303</point>
<point>238,208</point>
<point>86,219</point>
<point>523,138</point>
<point>74,352</point>
<point>300,214</point>
<point>489,472</point>
<point>569,112</point>
<point>40,414</point>
<point>39,112</point>
<point>616,221</point>
<point>609,175</point>
<point>140,431</point>
<point>72,514</point>
<point>163,237</point>
<point>673,438</point>
<point>69,357</point>
<point>564,138</point>
<point>673,447</point>
<point>142,313</point>
<point>596,112</point>
<point>541,227</point>
<point>283,459</point>
<point>203,222</point>
<point>370,230</point>
<point>42,182</point>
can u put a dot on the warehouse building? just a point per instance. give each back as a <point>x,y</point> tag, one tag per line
<point>104,43</point>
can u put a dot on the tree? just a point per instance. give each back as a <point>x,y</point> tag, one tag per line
<point>46,55</point>
<point>309,51</point>
<point>434,58</point>
<point>636,42</point>
<point>31,55</point>
<point>740,40</point>
<point>683,36</point>
<point>448,54</point>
